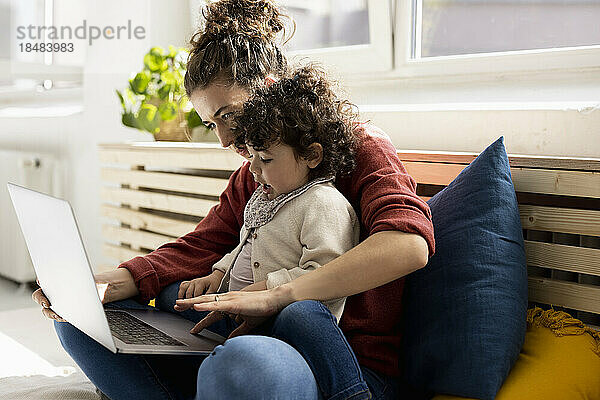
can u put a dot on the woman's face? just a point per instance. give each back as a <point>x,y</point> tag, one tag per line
<point>216,105</point>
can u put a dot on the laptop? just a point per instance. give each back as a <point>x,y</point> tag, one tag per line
<point>65,275</point>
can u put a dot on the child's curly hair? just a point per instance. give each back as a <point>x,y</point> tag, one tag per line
<point>298,110</point>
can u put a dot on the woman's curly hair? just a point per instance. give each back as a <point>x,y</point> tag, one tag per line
<point>237,44</point>
<point>299,110</point>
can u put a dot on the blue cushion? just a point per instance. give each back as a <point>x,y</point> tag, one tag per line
<point>465,311</point>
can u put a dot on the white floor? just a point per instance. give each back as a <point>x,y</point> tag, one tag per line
<point>23,325</point>
<point>33,361</point>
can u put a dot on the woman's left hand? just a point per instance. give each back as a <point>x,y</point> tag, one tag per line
<point>252,307</point>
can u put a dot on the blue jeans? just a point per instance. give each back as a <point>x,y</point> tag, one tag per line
<point>304,338</point>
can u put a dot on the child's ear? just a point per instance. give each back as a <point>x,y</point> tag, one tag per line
<point>316,155</point>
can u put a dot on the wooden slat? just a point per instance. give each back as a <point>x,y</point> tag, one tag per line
<point>433,173</point>
<point>436,157</point>
<point>515,160</point>
<point>564,220</point>
<point>166,181</point>
<point>199,158</point>
<point>565,258</point>
<point>565,294</point>
<point>120,253</point>
<point>527,180</point>
<point>158,201</point>
<point>556,182</point>
<point>135,238</point>
<point>149,222</point>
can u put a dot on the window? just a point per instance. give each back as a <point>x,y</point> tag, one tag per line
<point>23,24</point>
<point>407,38</point>
<point>462,37</point>
<point>332,23</point>
<point>453,27</point>
<point>355,35</point>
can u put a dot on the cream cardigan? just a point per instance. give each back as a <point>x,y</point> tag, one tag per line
<point>307,232</point>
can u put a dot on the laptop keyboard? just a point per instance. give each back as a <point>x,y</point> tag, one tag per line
<point>132,330</point>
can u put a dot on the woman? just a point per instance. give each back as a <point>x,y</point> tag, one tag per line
<point>234,53</point>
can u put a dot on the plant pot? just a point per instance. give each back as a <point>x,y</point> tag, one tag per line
<point>174,130</point>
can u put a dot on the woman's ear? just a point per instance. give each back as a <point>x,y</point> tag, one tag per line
<point>316,155</point>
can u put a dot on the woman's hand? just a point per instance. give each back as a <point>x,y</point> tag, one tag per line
<point>112,286</point>
<point>252,308</point>
<point>39,297</point>
<point>199,286</point>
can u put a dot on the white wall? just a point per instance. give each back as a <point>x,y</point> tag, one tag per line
<point>533,132</point>
<point>551,113</point>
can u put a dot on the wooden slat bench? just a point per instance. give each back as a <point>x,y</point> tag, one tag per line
<point>156,192</point>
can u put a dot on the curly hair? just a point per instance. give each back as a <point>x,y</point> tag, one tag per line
<point>238,44</point>
<point>299,110</point>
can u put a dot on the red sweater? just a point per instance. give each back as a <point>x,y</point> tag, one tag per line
<point>383,195</point>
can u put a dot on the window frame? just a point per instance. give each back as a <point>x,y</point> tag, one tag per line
<point>407,13</point>
<point>359,58</point>
<point>47,68</point>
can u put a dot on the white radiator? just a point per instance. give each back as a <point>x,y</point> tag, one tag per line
<point>36,171</point>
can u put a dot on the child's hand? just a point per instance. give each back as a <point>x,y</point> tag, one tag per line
<point>199,286</point>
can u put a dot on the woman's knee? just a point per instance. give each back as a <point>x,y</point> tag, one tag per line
<point>255,367</point>
<point>72,339</point>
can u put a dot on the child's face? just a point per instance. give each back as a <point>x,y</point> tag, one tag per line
<point>278,169</point>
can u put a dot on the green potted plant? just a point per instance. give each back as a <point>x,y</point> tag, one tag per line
<point>155,100</point>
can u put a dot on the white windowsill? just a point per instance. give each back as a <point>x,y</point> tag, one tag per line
<point>41,111</point>
<point>545,90</point>
<point>580,106</point>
